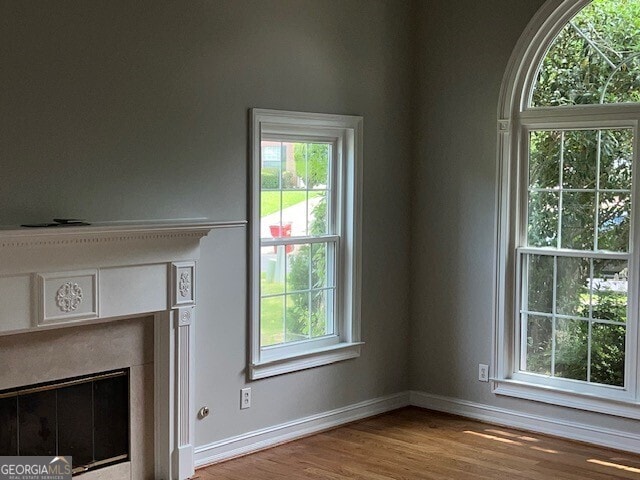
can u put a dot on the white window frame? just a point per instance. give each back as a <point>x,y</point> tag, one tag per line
<point>344,132</point>
<point>515,120</point>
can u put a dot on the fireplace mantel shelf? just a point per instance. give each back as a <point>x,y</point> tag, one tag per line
<point>62,277</point>
<point>17,236</point>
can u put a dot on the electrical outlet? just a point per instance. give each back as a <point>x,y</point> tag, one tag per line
<point>245,398</point>
<point>483,372</point>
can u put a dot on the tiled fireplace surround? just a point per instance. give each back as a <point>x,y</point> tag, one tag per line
<point>74,299</point>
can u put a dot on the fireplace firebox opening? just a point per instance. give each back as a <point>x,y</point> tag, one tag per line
<point>85,417</point>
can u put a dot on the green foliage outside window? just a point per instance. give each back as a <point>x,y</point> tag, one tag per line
<point>304,319</point>
<point>269,179</point>
<point>572,337</point>
<point>594,58</point>
<point>312,162</point>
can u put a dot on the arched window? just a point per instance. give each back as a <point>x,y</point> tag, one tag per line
<point>568,227</point>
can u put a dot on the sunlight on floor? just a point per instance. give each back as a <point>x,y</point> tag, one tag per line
<point>614,465</point>
<point>545,450</point>
<point>493,437</point>
<point>512,435</point>
<point>512,442</point>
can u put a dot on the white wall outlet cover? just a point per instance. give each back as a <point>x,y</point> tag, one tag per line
<point>245,398</point>
<point>483,372</point>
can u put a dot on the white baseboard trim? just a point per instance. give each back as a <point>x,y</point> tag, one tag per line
<point>600,436</point>
<point>268,437</point>
<point>284,432</point>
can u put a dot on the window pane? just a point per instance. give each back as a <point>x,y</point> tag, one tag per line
<point>272,268</point>
<point>607,354</point>
<point>271,166</point>
<point>270,178</point>
<point>572,297</point>
<point>616,156</point>
<point>571,349</point>
<point>317,213</point>
<point>317,157</point>
<point>593,59</point>
<point>319,266</point>
<point>297,320</point>
<point>286,277</point>
<point>271,321</point>
<point>294,213</point>
<point>542,229</point>
<point>614,219</point>
<point>539,334</point>
<point>609,290</point>
<point>270,206</point>
<point>572,72</point>
<point>540,283</point>
<point>544,159</point>
<point>295,188</point>
<point>272,159</point>
<point>624,85</point>
<point>294,169</point>
<point>321,308</point>
<point>578,217</point>
<point>298,268</point>
<point>579,159</point>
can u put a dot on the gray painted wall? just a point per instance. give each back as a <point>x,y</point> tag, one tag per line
<point>114,110</point>
<point>464,47</point>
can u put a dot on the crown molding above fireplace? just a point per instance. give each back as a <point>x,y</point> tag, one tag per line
<point>68,276</point>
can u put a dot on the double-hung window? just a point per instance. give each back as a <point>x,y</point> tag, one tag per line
<point>305,224</point>
<point>568,266</point>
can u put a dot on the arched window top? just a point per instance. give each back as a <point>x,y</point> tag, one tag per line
<point>594,59</point>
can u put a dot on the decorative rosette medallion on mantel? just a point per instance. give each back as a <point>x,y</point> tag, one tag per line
<point>80,275</point>
<point>66,296</point>
<point>69,297</point>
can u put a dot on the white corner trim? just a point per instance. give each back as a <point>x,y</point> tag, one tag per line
<point>268,437</point>
<point>594,435</point>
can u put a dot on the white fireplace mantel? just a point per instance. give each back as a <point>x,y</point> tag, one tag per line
<point>69,276</point>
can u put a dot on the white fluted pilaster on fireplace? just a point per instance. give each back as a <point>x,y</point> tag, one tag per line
<point>69,276</point>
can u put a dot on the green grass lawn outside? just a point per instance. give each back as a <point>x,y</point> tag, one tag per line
<point>270,200</point>
<point>271,322</point>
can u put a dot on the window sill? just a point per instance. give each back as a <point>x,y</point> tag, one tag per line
<point>310,359</point>
<point>620,407</point>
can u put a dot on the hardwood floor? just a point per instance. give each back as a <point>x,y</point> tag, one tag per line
<point>420,444</point>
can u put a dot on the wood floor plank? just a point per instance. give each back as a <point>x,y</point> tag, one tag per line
<point>417,444</point>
